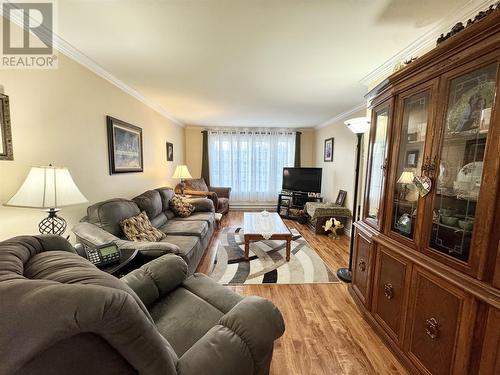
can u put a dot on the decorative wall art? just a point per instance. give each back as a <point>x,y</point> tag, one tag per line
<point>124,147</point>
<point>328,150</point>
<point>6,151</point>
<point>170,151</point>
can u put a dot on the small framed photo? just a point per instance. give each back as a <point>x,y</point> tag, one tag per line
<point>170,151</point>
<point>341,198</point>
<point>328,149</point>
<point>124,147</point>
<point>411,160</point>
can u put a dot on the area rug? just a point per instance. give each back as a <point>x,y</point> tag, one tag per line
<point>267,263</point>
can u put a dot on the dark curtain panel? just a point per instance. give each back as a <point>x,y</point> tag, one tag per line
<point>297,150</point>
<point>205,165</point>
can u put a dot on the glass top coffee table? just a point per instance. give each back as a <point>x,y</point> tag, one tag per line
<point>269,226</point>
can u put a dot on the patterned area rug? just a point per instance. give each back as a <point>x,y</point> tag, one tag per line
<point>267,262</point>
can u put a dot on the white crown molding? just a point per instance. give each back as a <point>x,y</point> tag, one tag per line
<point>342,116</point>
<point>73,53</point>
<point>428,40</point>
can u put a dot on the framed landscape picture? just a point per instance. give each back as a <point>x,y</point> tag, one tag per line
<point>170,151</point>
<point>328,150</point>
<point>124,147</point>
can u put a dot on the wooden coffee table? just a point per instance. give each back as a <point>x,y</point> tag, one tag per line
<point>255,225</point>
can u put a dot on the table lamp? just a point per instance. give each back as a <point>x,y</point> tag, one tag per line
<point>406,178</point>
<point>182,172</point>
<point>50,188</point>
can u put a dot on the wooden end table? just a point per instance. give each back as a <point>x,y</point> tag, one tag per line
<point>255,224</point>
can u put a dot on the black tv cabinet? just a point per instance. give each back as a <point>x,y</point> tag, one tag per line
<point>290,203</point>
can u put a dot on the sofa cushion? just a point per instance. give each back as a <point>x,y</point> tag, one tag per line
<point>151,202</point>
<point>183,318</point>
<point>189,247</point>
<point>185,228</point>
<point>139,228</point>
<point>181,206</point>
<point>196,184</point>
<point>108,214</point>
<point>208,217</point>
<point>166,195</point>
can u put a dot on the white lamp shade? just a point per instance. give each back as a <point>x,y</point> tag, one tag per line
<point>406,177</point>
<point>47,187</point>
<point>182,172</point>
<point>358,124</point>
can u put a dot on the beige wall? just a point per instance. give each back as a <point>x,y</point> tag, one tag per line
<point>194,147</point>
<point>338,174</point>
<point>58,117</point>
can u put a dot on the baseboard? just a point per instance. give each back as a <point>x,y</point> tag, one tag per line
<point>252,206</point>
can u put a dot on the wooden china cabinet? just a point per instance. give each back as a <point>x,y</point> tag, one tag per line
<point>426,260</point>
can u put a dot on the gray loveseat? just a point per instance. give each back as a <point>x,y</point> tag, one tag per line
<point>187,237</point>
<point>61,315</point>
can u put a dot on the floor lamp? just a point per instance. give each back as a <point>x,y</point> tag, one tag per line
<point>358,126</point>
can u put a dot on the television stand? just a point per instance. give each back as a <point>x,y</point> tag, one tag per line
<point>291,204</point>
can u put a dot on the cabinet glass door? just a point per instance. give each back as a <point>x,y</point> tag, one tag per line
<point>470,104</point>
<point>378,165</point>
<point>409,162</point>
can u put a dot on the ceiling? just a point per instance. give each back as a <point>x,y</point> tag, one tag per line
<point>293,63</point>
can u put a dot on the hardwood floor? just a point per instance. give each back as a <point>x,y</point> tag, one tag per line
<point>325,332</point>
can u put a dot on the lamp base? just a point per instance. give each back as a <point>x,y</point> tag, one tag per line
<point>183,186</point>
<point>345,275</point>
<point>52,224</point>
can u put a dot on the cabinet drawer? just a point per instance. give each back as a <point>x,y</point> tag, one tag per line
<point>392,274</point>
<point>440,322</point>
<point>361,267</point>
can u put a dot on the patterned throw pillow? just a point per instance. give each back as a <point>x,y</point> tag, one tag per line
<point>139,228</point>
<point>181,206</point>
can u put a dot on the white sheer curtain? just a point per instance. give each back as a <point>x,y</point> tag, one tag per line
<point>250,161</point>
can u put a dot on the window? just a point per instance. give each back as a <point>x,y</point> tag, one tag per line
<point>250,162</point>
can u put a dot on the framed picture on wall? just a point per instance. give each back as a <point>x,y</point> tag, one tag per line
<point>411,160</point>
<point>170,151</point>
<point>341,198</point>
<point>124,147</point>
<point>6,152</point>
<point>328,150</point>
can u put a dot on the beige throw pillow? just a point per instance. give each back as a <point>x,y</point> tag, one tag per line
<point>181,206</point>
<point>139,228</point>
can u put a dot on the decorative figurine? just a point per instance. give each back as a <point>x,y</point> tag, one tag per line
<point>333,225</point>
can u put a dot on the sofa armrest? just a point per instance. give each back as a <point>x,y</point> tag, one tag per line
<point>242,342</point>
<point>219,352</point>
<point>258,322</point>
<point>157,278</point>
<point>150,250</point>
<point>222,192</point>
<point>202,204</point>
<point>206,194</point>
<point>92,235</point>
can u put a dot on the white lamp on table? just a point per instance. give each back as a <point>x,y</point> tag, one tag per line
<point>48,188</point>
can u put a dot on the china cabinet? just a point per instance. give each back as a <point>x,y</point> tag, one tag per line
<point>426,259</point>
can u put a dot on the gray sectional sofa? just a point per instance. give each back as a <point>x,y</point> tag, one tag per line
<point>61,315</point>
<point>187,237</point>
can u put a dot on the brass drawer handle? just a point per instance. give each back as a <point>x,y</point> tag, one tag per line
<point>362,265</point>
<point>388,291</point>
<point>432,328</point>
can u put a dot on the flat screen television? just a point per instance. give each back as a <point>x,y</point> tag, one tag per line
<point>302,179</point>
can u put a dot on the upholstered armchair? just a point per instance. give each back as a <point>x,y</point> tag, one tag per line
<point>61,315</point>
<point>198,187</point>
